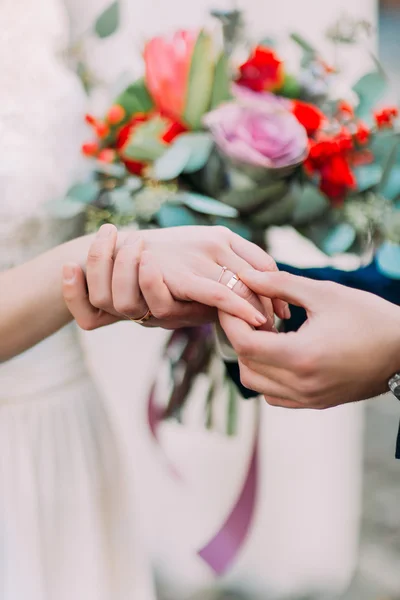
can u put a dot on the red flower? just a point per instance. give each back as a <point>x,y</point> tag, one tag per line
<point>90,148</point>
<point>330,158</point>
<point>308,115</point>
<point>385,117</point>
<point>107,155</point>
<point>362,134</point>
<point>263,71</point>
<point>102,130</point>
<point>115,114</point>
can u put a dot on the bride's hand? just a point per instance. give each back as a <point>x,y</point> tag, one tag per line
<point>174,273</point>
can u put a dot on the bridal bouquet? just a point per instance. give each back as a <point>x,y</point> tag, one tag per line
<point>204,138</point>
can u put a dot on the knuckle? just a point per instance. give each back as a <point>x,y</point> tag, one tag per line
<point>162,313</point>
<point>247,379</point>
<point>243,346</point>
<point>100,299</point>
<point>219,295</point>
<point>243,291</point>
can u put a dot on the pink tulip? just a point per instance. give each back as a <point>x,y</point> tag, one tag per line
<point>167,62</point>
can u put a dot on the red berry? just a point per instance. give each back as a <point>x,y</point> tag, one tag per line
<point>107,155</point>
<point>115,114</point>
<point>90,119</point>
<point>90,148</point>
<point>102,130</point>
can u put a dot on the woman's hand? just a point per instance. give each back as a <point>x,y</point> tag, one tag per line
<point>174,273</point>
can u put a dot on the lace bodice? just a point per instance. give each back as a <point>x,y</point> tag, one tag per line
<point>41,126</point>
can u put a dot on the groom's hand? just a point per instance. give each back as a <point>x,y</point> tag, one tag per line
<point>346,351</point>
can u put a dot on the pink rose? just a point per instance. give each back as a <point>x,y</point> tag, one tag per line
<point>261,132</point>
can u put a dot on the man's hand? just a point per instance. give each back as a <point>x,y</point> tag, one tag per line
<point>346,350</point>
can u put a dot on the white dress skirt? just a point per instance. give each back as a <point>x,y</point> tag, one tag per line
<point>68,526</point>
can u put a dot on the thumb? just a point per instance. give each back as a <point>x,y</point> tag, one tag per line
<point>299,291</point>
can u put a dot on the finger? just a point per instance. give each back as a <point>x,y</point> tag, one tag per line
<point>261,261</point>
<point>77,300</point>
<point>100,266</point>
<point>241,289</point>
<point>283,403</point>
<point>126,295</point>
<point>299,291</point>
<point>163,306</point>
<point>263,385</point>
<point>212,293</point>
<point>270,348</point>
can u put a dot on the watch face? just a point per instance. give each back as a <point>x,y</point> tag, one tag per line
<point>394,385</point>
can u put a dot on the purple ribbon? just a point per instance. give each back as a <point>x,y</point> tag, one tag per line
<point>220,552</point>
<point>222,549</point>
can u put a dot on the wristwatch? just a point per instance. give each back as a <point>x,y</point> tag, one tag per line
<point>394,385</point>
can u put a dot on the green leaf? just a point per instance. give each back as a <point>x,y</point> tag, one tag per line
<point>303,43</point>
<point>248,200</point>
<point>171,215</point>
<point>389,164</point>
<point>388,260</point>
<point>290,88</point>
<point>133,183</point>
<point>172,163</point>
<point>370,89</point>
<point>108,22</point>
<point>145,142</point>
<point>221,91</point>
<point>112,169</point>
<point>135,99</point>
<point>310,204</point>
<point>84,192</point>
<point>65,208</point>
<point>391,189</point>
<point>201,79</point>
<point>201,145</point>
<point>279,212</point>
<point>340,239</point>
<point>207,205</point>
<point>368,176</point>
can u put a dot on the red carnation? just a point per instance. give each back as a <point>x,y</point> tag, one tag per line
<point>308,115</point>
<point>263,71</point>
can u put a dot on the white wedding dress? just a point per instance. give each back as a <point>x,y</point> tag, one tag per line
<point>66,516</point>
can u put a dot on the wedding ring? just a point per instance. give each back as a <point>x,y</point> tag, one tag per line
<point>233,281</point>
<point>222,274</point>
<point>143,319</point>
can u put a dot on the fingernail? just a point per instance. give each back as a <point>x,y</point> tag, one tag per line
<point>69,273</point>
<point>286,312</point>
<point>260,318</point>
<point>105,231</point>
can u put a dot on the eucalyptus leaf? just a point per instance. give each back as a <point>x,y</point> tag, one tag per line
<point>276,213</point>
<point>172,163</point>
<point>201,145</point>
<point>389,164</point>
<point>201,80</point>
<point>112,169</point>
<point>133,183</point>
<point>221,91</point>
<point>65,208</point>
<point>171,215</point>
<point>370,89</point>
<point>207,205</point>
<point>108,22</point>
<point>85,193</point>
<point>391,189</point>
<point>340,239</point>
<point>368,176</point>
<point>310,204</point>
<point>388,260</point>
